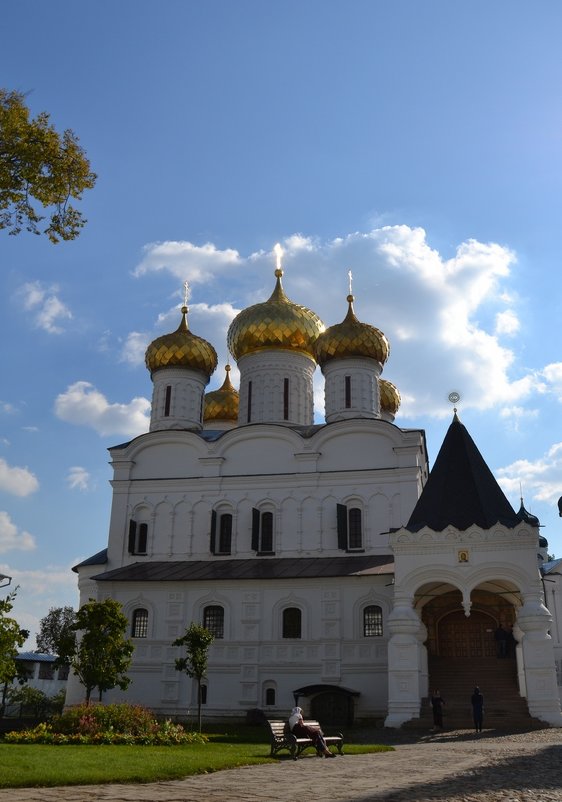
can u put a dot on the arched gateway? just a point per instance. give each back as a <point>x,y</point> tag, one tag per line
<point>464,564</point>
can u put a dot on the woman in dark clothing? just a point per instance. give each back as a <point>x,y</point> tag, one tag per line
<point>437,703</point>
<point>302,730</point>
<point>477,702</point>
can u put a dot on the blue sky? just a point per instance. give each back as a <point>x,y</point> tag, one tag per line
<point>418,144</point>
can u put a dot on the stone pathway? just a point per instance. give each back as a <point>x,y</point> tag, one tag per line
<point>448,767</point>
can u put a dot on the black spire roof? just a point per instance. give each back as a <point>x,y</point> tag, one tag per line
<point>461,490</point>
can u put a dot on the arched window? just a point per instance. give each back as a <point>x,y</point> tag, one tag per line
<point>213,620</point>
<point>372,621</point>
<point>223,543</point>
<point>270,697</point>
<point>355,529</point>
<point>350,528</point>
<point>262,532</point>
<point>138,537</point>
<point>292,622</point>
<point>140,623</point>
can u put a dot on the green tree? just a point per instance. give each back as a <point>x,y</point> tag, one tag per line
<point>12,638</point>
<point>37,164</point>
<point>196,641</point>
<point>56,631</point>
<point>101,653</point>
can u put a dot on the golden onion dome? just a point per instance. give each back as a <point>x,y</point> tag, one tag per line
<point>222,404</point>
<point>181,349</point>
<point>390,396</point>
<point>276,323</point>
<point>351,338</point>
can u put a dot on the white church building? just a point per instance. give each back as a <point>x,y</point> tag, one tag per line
<point>329,565</point>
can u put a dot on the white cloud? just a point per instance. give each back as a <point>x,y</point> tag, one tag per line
<point>433,308</point>
<point>134,348</point>
<point>12,538</point>
<point>78,478</point>
<point>507,323</point>
<point>38,591</point>
<point>7,408</point>
<point>83,405</point>
<point>17,481</point>
<point>37,296</point>
<point>540,479</point>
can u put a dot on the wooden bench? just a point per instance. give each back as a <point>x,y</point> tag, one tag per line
<point>282,738</point>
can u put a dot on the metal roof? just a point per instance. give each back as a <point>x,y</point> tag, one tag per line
<point>256,568</point>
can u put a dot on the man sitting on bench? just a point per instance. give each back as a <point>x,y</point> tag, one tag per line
<point>301,730</point>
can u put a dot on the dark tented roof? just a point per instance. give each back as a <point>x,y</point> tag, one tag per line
<point>461,490</point>
<point>257,568</point>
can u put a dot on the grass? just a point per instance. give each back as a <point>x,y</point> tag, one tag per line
<point>37,765</point>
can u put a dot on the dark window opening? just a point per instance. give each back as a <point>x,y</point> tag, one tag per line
<point>270,696</point>
<point>266,540</point>
<point>64,671</point>
<point>347,392</point>
<point>249,418</point>
<point>213,620</point>
<point>292,622</point>
<point>355,529</point>
<point>203,694</point>
<point>140,623</point>
<point>372,621</point>
<point>46,671</point>
<point>168,400</point>
<point>286,399</point>
<point>138,537</point>
<point>225,533</point>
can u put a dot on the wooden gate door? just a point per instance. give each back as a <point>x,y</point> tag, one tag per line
<point>459,636</point>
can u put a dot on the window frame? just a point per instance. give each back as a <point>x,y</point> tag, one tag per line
<point>374,612</point>
<point>215,627</point>
<point>290,628</point>
<point>139,623</point>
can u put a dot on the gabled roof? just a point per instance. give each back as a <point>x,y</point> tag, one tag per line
<point>97,559</point>
<point>262,568</point>
<point>461,490</point>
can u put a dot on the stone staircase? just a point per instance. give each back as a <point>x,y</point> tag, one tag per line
<point>504,708</point>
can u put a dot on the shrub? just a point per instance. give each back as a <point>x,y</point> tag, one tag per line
<point>107,724</point>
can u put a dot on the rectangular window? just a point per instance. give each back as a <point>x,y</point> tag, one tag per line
<point>355,529</point>
<point>347,392</point>
<point>266,534</point>
<point>286,399</point>
<point>46,671</point>
<point>140,623</point>
<point>168,401</point>
<point>64,671</point>
<point>292,620</point>
<point>372,621</point>
<point>249,418</point>
<point>213,620</point>
<point>138,537</point>
<point>225,533</point>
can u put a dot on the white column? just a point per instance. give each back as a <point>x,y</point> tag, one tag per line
<point>534,621</point>
<point>405,663</point>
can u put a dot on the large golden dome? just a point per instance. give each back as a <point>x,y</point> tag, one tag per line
<point>222,404</point>
<point>275,323</point>
<point>181,349</point>
<point>390,396</point>
<point>351,338</point>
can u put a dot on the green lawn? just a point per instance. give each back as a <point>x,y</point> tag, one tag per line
<point>40,765</point>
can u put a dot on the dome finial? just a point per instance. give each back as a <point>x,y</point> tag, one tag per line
<point>350,276</point>
<point>186,292</point>
<point>278,254</point>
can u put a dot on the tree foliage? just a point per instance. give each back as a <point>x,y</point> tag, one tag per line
<point>196,641</point>
<point>56,633</point>
<point>101,653</point>
<point>12,638</point>
<point>37,164</point>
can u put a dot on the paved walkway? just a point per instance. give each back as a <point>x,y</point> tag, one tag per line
<point>448,767</point>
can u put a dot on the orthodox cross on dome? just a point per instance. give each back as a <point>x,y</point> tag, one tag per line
<point>278,254</point>
<point>350,276</point>
<point>185,292</point>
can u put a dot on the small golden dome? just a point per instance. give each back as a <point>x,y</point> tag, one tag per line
<point>351,338</point>
<point>222,404</point>
<point>275,323</point>
<point>181,349</point>
<point>390,396</point>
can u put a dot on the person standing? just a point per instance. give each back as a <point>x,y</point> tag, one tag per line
<point>477,702</point>
<point>437,704</point>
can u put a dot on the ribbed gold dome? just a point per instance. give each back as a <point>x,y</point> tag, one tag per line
<point>181,349</point>
<point>222,404</point>
<point>390,397</point>
<point>351,338</point>
<point>275,323</point>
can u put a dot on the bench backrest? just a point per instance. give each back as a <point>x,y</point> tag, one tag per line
<point>278,727</point>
